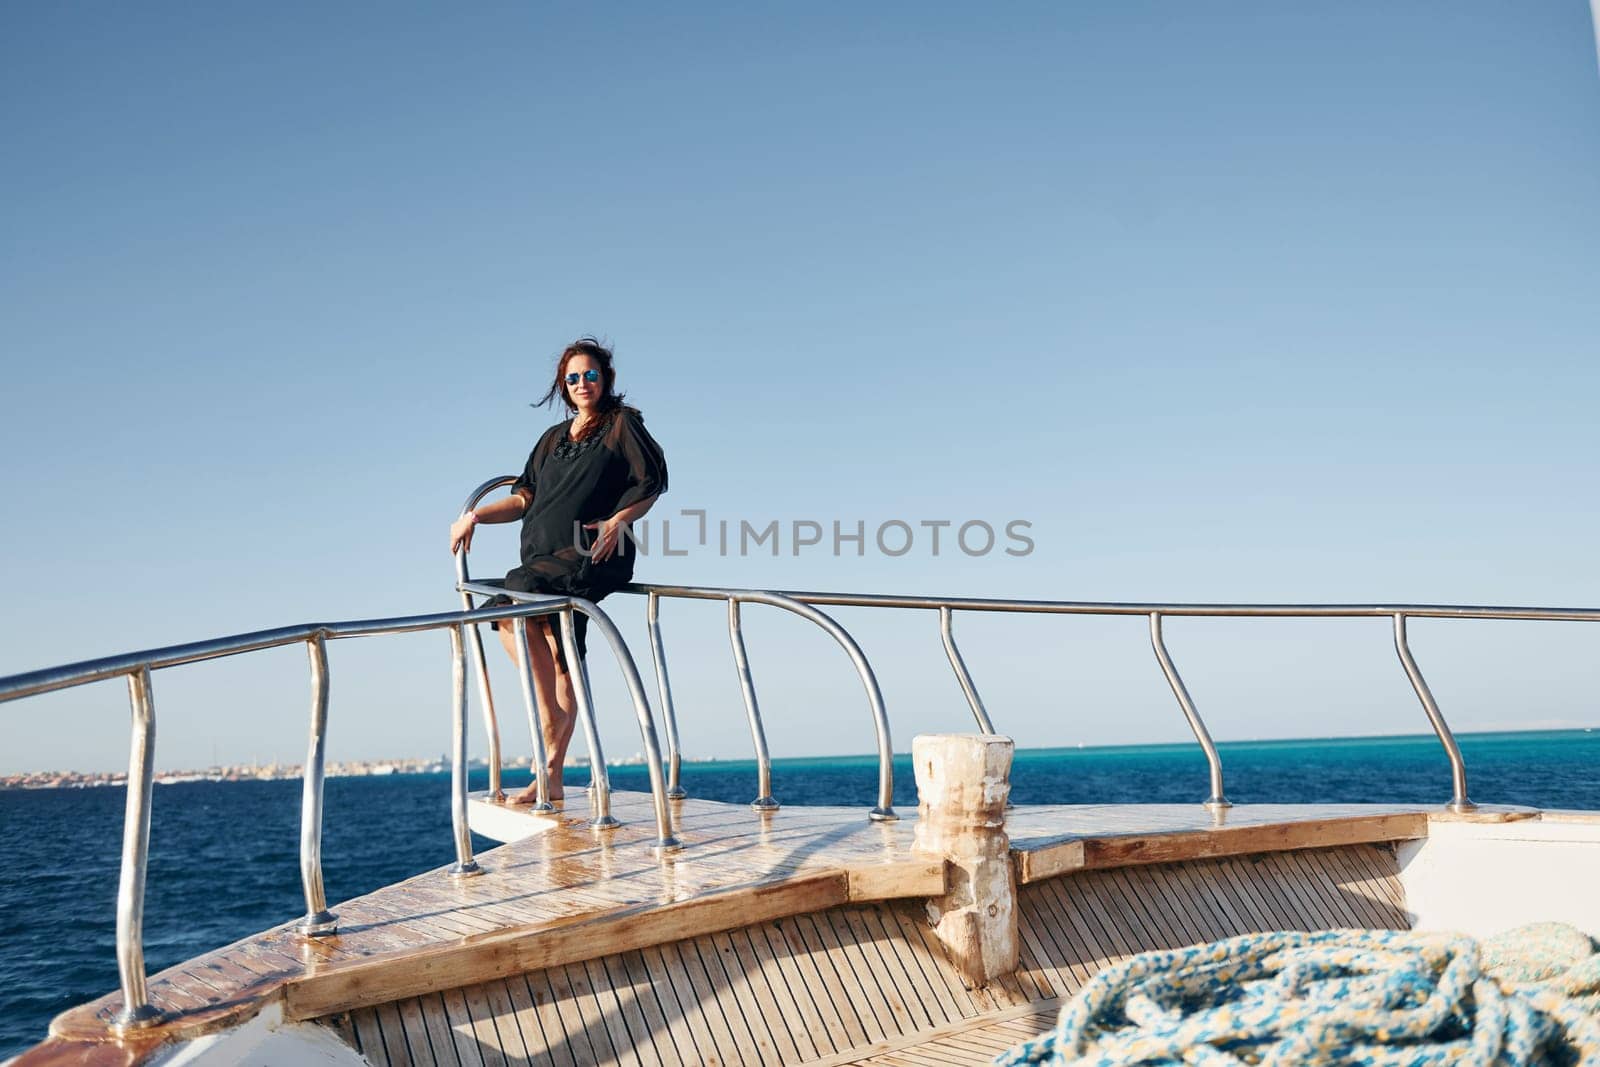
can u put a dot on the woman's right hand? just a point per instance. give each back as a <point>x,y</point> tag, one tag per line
<point>461,532</point>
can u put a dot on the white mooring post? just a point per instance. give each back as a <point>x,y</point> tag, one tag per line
<point>963,781</point>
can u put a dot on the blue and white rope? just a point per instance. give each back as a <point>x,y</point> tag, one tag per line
<point>1359,997</point>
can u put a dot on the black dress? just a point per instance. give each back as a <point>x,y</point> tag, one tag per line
<point>579,482</point>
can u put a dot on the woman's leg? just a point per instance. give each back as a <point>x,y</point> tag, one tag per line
<point>556,704</point>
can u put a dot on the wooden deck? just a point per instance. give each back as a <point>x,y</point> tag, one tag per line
<point>867,983</point>
<point>586,911</point>
<point>564,894</point>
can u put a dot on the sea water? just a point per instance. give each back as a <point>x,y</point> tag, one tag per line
<point>224,855</point>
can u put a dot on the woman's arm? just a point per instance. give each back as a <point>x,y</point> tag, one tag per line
<point>506,509</point>
<point>610,530</point>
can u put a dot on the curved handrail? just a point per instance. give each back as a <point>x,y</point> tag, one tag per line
<point>480,663</point>
<point>641,707</point>
<point>884,811</point>
<point>599,769</point>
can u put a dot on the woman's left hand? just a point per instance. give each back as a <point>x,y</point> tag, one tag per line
<point>606,536</point>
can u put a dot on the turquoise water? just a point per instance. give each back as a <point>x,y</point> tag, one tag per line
<point>224,865</point>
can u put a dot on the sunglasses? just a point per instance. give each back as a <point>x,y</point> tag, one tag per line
<point>590,376</point>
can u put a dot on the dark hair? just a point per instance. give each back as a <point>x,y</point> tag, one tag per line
<point>610,399</point>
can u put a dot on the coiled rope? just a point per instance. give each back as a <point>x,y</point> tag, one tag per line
<point>1361,997</point>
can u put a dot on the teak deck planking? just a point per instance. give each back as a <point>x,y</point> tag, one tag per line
<point>876,966</point>
<point>572,894</point>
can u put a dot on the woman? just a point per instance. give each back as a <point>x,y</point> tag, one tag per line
<point>584,482</point>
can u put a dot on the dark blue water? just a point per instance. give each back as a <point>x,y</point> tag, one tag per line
<point>223,856</point>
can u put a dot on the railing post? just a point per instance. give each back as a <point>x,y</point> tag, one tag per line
<point>137,1011</point>
<point>1458,766</point>
<point>318,920</point>
<point>947,632</point>
<point>665,841</point>
<point>764,800</point>
<point>1217,799</point>
<point>658,656</point>
<point>480,663</point>
<point>491,723</point>
<point>465,866</point>
<point>541,773</point>
<point>599,777</point>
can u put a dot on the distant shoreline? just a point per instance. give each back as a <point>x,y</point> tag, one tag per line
<point>272,772</point>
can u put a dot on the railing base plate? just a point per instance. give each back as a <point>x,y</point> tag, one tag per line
<point>139,1018</point>
<point>322,924</point>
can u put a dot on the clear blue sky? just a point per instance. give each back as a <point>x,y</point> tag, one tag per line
<point>1281,302</point>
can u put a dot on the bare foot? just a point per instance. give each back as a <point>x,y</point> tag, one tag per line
<point>530,795</point>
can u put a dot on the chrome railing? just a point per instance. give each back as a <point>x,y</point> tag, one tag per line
<point>137,668</point>
<point>806,604</point>
<point>884,810</point>
<point>1156,613</point>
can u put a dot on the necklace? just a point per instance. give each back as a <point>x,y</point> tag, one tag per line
<point>567,448</point>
